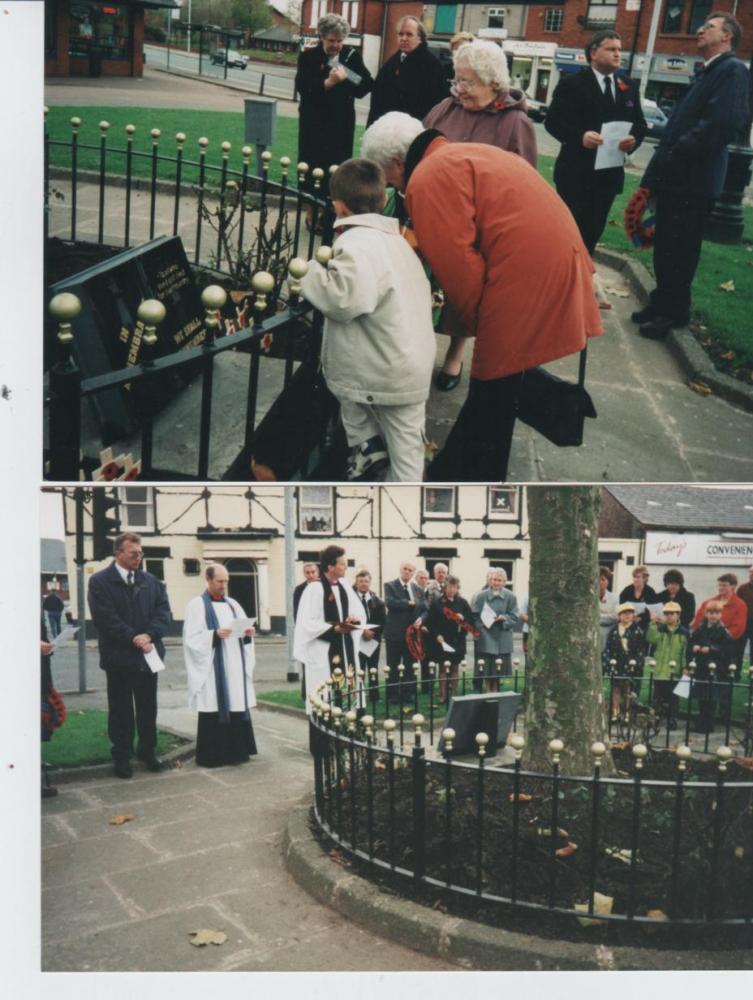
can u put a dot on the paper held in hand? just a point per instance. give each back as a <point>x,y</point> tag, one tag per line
<point>608,155</point>
<point>682,688</point>
<point>153,661</point>
<point>488,616</point>
<point>69,632</point>
<point>447,648</point>
<point>368,646</point>
<point>239,625</point>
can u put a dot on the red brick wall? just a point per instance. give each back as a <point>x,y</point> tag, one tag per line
<point>60,64</point>
<point>574,35</point>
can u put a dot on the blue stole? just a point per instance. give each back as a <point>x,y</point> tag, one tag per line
<point>218,660</point>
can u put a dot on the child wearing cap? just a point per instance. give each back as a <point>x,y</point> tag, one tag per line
<point>624,653</point>
<point>709,643</point>
<point>670,641</point>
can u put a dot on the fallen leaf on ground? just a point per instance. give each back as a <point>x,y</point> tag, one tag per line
<point>728,356</point>
<point>739,852</point>
<point>206,936</point>
<point>622,292</point>
<point>619,854</point>
<point>602,904</point>
<point>338,857</point>
<point>521,798</point>
<point>700,387</point>
<point>727,286</point>
<point>567,851</point>
<point>546,831</point>
<point>120,820</point>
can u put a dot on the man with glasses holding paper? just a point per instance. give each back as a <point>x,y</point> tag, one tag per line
<point>131,613</point>
<point>596,114</point>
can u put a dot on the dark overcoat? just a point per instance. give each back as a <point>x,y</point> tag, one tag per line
<point>413,85</point>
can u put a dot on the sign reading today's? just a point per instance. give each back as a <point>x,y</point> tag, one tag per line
<point>697,550</point>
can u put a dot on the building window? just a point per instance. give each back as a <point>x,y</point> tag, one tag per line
<point>136,508</point>
<point>191,567</point>
<point>553,19</point>
<point>316,510</point>
<point>102,28</point>
<point>155,566</point>
<point>508,565</point>
<point>446,19</point>
<point>318,9</point>
<point>50,32</point>
<point>349,10</point>
<point>699,12</point>
<point>502,503</point>
<point>496,17</point>
<point>602,13</point>
<point>439,501</point>
<point>673,16</point>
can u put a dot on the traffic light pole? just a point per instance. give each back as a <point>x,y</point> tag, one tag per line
<point>80,590</point>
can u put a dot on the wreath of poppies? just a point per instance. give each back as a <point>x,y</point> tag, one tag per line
<point>640,219</point>
<point>53,711</point>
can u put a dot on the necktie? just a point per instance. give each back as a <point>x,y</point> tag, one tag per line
<point>130,579</point>
<point>402,56</point>
<point>608,93</point>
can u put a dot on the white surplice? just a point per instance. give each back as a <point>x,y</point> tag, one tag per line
<point>198,653</point>
<point>310,624</point>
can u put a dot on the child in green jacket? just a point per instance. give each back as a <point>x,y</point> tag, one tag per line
<point>670,641</point>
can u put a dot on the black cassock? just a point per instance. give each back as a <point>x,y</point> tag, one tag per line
<point>327,118</point>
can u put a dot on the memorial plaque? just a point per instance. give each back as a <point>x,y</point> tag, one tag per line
<point>469,714</point>
<point>107,334</point>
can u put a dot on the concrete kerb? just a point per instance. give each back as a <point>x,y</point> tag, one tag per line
<point>239,87</point>
<point>691,356</point>
<point>63,775</point>
<point>469,944</point>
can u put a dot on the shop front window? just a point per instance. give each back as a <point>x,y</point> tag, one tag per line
<point>520,72</point>
<point>673,16</point>
<point>102,28</point>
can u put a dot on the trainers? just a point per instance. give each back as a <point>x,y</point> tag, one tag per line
<point>366,459</point>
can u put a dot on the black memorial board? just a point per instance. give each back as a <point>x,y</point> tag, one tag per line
<point>469,714</point>
<point>107,334</point>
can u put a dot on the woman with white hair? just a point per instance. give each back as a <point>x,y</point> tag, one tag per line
<point>512,264</point>
<point>330,76</point>
<point>483,108</point>
<point>495,615</point>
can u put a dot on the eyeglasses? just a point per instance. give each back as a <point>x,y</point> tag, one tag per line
<point>460,84</point>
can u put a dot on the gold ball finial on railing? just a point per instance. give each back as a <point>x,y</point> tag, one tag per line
<point>246,153</point>
<point>517,743</point>
<point>129,131</point>
<point>386,672</point>
<point>75,124</point>
<point>263,283</point>
<point>447,666</point>
<point>367,721</point>
<point>556,746</point>
<point>498,665</point>
<point>482,741</point>
<point>350,719</point>
<point>284,166</point>
<point>732,670</point>
<point>303,169</point>
<point>515,664</point>
<point>598,749</point>
<point>683,754</point>
<point>448,735</point>
<point>103,127</point>
<point>712,669</point>
<point>336,712</point>
<point>180,140</point>
<point>203,143</point>
<point>266,158</point>
<point>213,298</point>
<point>155,134</point>
<point>151,313</point>
<point>323,255</point>
<point>225,148</point>
<point>64,307</point>
<point>463,666</point>
<point>418,723</point>
<point>389,730</point>
<point>45,111</point>
<point>333,168</point>
<point>432,668</point>
<point>723,755</point>
<point>640,752</point>
<point>318,174</point>
<point>401,669</point>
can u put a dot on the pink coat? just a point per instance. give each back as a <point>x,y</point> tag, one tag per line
<point>503,124</point>
<point>507,253</point>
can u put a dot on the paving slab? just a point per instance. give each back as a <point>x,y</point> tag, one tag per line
<point>72,862</point>
<point>84,907</point>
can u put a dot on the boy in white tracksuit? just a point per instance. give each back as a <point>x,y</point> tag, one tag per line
<point>379,346</point>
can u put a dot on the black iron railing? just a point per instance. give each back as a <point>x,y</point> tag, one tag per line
<point>225,204</point>
<point>636,849</point>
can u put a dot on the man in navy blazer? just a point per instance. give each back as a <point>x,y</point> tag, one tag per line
<point>687,171</point>
<point>582,103</point>
<point>402,598</point>
<point>131,612</point>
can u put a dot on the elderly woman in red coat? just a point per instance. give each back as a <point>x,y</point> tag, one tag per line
<point>512,264</point>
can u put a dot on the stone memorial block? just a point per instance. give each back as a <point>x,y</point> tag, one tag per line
<point>469,714</point>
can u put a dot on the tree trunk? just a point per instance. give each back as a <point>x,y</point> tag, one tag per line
<point>565,699</point>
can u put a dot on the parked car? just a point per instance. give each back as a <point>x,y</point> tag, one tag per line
<point>656,120</point>
<point>229,57</point>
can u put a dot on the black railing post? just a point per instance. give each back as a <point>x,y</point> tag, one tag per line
<point>329,754</point>
<point>556,747</point>
<point>374,689</point>
<point>317,174</point>
<point>416,685</point>
<point>400,673</point>
<point>263,285</point>
<point>284,168</point>
<point>482,740</point>
<point>387,691</point>
<point>303,169</point>
<point>180,140</point>
<point>222,221</point>
<point>65,394</point>
<point>103,127</point>
<point>598,750</point>
<point>749,714</point>
<point>517,743</point>
<point>448,736</point>
<point>150,314</point>
<point>350,718</point>
<point>246,152</point>
<point>213,299</point>
<point>337,716</point>
<point>683,754</point>
<point>728,692</point>
<point>367,721</point>
<point>266,156</point>
<point>418,770</point>
<point>639,754</point>
<point>129,129</point>
<point>155,134</point>
<point>430,668</point>
<point>315,743</point>
<point>389,729</point>
<point>691,679</point>
<point>203,143</point>
<point>75,126</point>
<point>723,756</point>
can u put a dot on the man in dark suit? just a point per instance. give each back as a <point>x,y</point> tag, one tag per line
<point>412,80</point>
<point>132,614</point>
<point>582,103</point>
<point>376,614</point>
<point>401,597</point>
<point>687,171</point>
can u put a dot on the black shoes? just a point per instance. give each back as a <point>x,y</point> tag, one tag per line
<point>445,382</point>
<point>152,763</point>
<point>643,315</point>
<point>49,791</point>
<point>123,769</point>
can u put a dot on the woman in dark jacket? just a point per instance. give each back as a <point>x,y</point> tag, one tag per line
<point>674,590</point>
<point>329,78</point>
<point>639,592</point>
<point>449,620</point>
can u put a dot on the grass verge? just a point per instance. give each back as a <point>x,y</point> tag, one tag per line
<point>82,741</point>
<point>725,328</point>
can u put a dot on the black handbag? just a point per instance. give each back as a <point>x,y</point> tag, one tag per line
<point>554,407</point>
